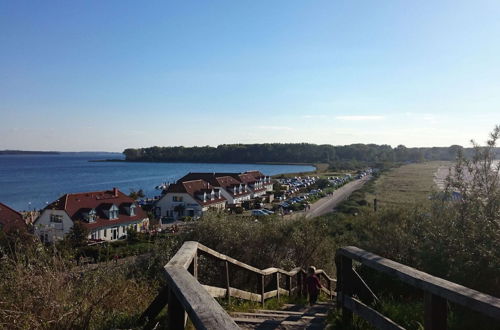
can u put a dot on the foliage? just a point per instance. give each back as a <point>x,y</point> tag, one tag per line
<point>352,156</point>
<point>136,194</point>
<point>77,235</point>
<point>270,242</point>
<point>42,289</point>
<point>132,235</point>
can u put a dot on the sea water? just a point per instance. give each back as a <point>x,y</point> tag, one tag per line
<point>30,182</point>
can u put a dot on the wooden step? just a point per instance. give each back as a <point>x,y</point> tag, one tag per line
<point>290,317</point>
<point>258,323</point>
<point>279,316</point>
<point>285,312</point>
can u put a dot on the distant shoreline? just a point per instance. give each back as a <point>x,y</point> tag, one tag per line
<point>204,162</point>
<point>25,152</point>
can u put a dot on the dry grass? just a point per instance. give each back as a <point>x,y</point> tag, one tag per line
<point>406,185</point>
<point>40,290</point>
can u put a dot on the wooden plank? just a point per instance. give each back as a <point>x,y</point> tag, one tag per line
<point>176,314</point>
<point>245,295</point>
<point>347,275</point>
<point>450,291</point>
<point>325,275</point>
<point>228,287</point>
<point>270,294</point>
<point>155,307</point>
<point>262,289</point>
<point>370,315</point>
<point>215,292</point>
<point>208,251</point>
<point>203,310</point>
<point>435,314</point>
<point>193,268</point>
<point>278,285</point>
<point>185,255</point>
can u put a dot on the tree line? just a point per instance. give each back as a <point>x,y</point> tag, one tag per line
<point>294,153</point>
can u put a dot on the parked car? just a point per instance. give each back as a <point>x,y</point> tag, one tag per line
<point>259,213</point>
<point>269,212</point>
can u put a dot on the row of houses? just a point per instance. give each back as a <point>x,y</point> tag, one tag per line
<point>195,193</point>
<point>108,215</point>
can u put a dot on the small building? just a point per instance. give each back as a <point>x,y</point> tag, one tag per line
<point>190,198</point>
<point>265,180</point>
<point>11,220</point>
<point>232,189</point>
<point>106,214</point>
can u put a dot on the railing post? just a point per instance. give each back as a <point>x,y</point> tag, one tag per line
<point>278,286</point>
<point>155,308</point>
<point>177,317</point>
<point>262,289</point>
<point>347,280</point>
<point>193,268</point>
<point>330,288</point>
<point>435,312</point>
<point>228,286</point>
<point>299,282</point>
<point>289,281</point>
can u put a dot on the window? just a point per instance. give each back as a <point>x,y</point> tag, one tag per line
<point>132,210</point>
<point>177,198</point>
<point>105,231</point>
<point>91,216</point>
<point>55,218</point>
<point>113,212</point>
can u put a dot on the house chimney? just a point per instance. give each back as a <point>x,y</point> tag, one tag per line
<point>115,192</point>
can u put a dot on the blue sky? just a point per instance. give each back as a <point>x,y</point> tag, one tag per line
<point>106,75</point>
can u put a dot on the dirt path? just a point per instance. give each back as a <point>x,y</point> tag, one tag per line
<point>327,204</point>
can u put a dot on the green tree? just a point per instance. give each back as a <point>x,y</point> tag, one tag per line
<point>136,194</point>
<point>78,235</point>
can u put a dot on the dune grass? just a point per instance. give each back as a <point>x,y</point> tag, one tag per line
<point>406,185</point>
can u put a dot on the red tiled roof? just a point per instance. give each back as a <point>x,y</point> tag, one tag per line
<point>10,219</point>
<point>224,180</point>
<point>194,187</point>
<point>77,204</point>
<point>256,174</point>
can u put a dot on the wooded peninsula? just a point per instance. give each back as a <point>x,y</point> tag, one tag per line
<point>294,153</point>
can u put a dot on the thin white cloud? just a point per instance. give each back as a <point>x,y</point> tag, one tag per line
<point>359,118</point>
<point>275,128</point>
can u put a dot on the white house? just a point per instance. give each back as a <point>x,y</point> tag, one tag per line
<point>190,198</point>
<point>265,181</point>
<point>233,190</point>
<point>106,214</point>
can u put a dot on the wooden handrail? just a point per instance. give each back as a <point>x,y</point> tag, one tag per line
<point>437,290</point>
<point>187,295</point>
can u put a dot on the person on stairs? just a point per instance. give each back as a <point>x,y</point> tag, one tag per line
<point>313,285</point>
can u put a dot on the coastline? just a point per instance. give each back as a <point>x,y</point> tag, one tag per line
<point>204,162</point>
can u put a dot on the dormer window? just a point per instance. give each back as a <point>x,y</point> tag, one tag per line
<point>212,195</point>
<point>112,213</point>
<point>132,210</point>
<point>91,216</point>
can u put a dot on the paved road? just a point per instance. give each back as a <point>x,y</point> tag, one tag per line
<point>327,204</point>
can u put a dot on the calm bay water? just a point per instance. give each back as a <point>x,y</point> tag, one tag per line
<point>30,181</point>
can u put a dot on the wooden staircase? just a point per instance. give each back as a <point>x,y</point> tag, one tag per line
<point>186,297</point>
<point>290,317</point>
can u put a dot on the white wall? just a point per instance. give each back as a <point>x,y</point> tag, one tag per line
<point>52,231</point>
<point>166,203</point>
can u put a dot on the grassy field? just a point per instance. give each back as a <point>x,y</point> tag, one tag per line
<point>407,184</point>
